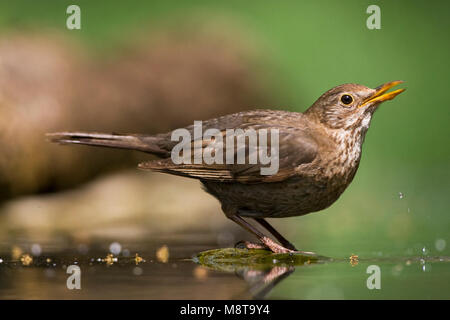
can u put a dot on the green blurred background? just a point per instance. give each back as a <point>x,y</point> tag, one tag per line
<point>398,203</point>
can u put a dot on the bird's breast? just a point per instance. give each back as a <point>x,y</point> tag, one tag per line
<point>340,162</point>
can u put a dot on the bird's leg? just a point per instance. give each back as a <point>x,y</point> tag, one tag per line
<point>272,245</point>
<point>276,234</point>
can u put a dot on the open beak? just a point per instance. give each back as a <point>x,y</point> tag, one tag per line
<point>380,94</point>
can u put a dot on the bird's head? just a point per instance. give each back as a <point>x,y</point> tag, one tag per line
<point>350,106</point>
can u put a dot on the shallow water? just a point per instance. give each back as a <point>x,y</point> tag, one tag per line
<point>174,274</point>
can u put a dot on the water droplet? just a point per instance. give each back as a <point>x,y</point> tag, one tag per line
<point>162,254</point>
<point>424,250</point>
<point>115,248</point>
<point>36,250</point>
<point>426,268</point>
<point>137,271</point>
<point>400,195</point>
<point>110,259</point>
<point>138,259</point>
<point>16,253</point>
<point>440,244</point>
<point>26,259</point>
<point>1,260</point>
<point>200,273</point>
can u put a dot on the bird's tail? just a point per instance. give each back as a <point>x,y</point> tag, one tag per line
<point>142,143</point>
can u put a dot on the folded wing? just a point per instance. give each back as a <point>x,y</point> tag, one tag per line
<point>294,148</point>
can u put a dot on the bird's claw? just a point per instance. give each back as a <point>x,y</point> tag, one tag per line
<point>250,245</point>
<point>275,247</point>
<point>267,244</point>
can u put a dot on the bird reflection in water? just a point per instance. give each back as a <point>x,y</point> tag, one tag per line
<point>262,282</point>
<point>260,269</point>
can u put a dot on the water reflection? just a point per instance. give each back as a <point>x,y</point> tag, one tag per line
<point>263,270</point>
<point>262,282</point>
<point>260,269</point>
<point>146,270</point>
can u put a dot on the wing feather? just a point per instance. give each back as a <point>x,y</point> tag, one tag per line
<point>296,147</point>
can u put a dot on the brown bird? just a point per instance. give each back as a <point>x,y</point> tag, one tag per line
<point>318,155</point>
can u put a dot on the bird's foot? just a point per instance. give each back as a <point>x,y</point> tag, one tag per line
<point>267,244</point>
<point>250,245</point>
<point>275,247</point>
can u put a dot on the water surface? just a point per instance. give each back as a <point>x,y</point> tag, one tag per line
<point>168,268</point>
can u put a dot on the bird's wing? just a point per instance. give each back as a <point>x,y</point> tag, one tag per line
<point>295,147</point>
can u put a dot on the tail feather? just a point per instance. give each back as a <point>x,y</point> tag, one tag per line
<point>133,142</point>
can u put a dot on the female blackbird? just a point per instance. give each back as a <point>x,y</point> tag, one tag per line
<point>318,155</point>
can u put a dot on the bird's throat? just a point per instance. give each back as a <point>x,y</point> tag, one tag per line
<point>347,152</point>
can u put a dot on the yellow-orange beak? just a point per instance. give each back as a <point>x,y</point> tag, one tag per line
<point>380,95</point>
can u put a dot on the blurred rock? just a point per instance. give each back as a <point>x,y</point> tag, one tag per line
<point>158,83</point>
<point>34,76</point>
<point>127,205</point>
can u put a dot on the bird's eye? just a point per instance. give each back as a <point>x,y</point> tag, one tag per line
<point>346,99</point>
